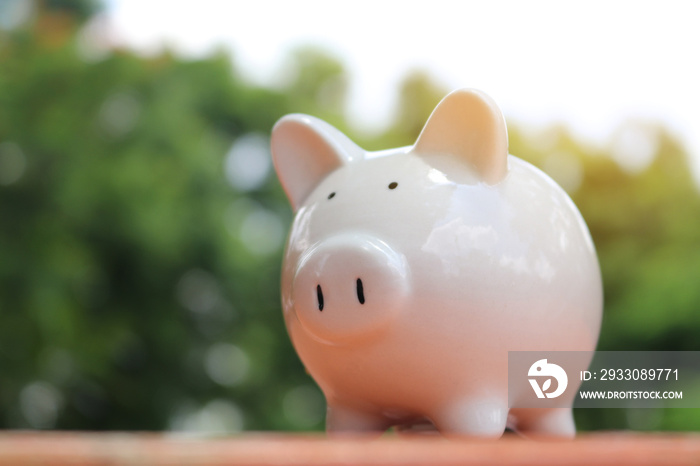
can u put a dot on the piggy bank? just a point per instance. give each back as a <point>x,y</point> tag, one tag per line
<point>410,273</point>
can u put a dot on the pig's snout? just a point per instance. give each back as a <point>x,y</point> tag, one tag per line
<point>349,286</point>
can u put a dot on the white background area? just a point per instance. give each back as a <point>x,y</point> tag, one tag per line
<point>590,65</point>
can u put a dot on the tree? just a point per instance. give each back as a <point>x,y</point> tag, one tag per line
<point>141,235</point>
<point>139,283</point>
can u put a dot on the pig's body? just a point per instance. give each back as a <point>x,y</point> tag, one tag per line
<point>454,271</point>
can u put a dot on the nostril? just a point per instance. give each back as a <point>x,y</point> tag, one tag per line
<point>360,291</point>
<point>319,295</point>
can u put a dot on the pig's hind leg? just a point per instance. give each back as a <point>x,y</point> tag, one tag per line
<point>343,420</point>
<point>554,422</point>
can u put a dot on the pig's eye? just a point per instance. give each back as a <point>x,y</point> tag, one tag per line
<point>393,185</point>
<point>331,195</point>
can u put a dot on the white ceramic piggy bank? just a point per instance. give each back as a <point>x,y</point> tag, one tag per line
<point>410,273</point>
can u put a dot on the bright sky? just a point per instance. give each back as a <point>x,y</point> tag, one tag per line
<point>592,65</point>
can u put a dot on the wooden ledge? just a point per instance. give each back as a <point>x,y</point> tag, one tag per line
<point>93,449</point>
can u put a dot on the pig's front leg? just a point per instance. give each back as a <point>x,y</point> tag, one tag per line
<point>341,419</point>
<point>485,418</point>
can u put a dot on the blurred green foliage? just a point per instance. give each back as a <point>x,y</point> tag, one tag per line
<point>141,233</point>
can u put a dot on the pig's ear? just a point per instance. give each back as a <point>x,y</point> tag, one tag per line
<point>304,151</point>
<point>468,124</point>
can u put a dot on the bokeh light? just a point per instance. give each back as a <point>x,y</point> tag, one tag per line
<point>143,227</point>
